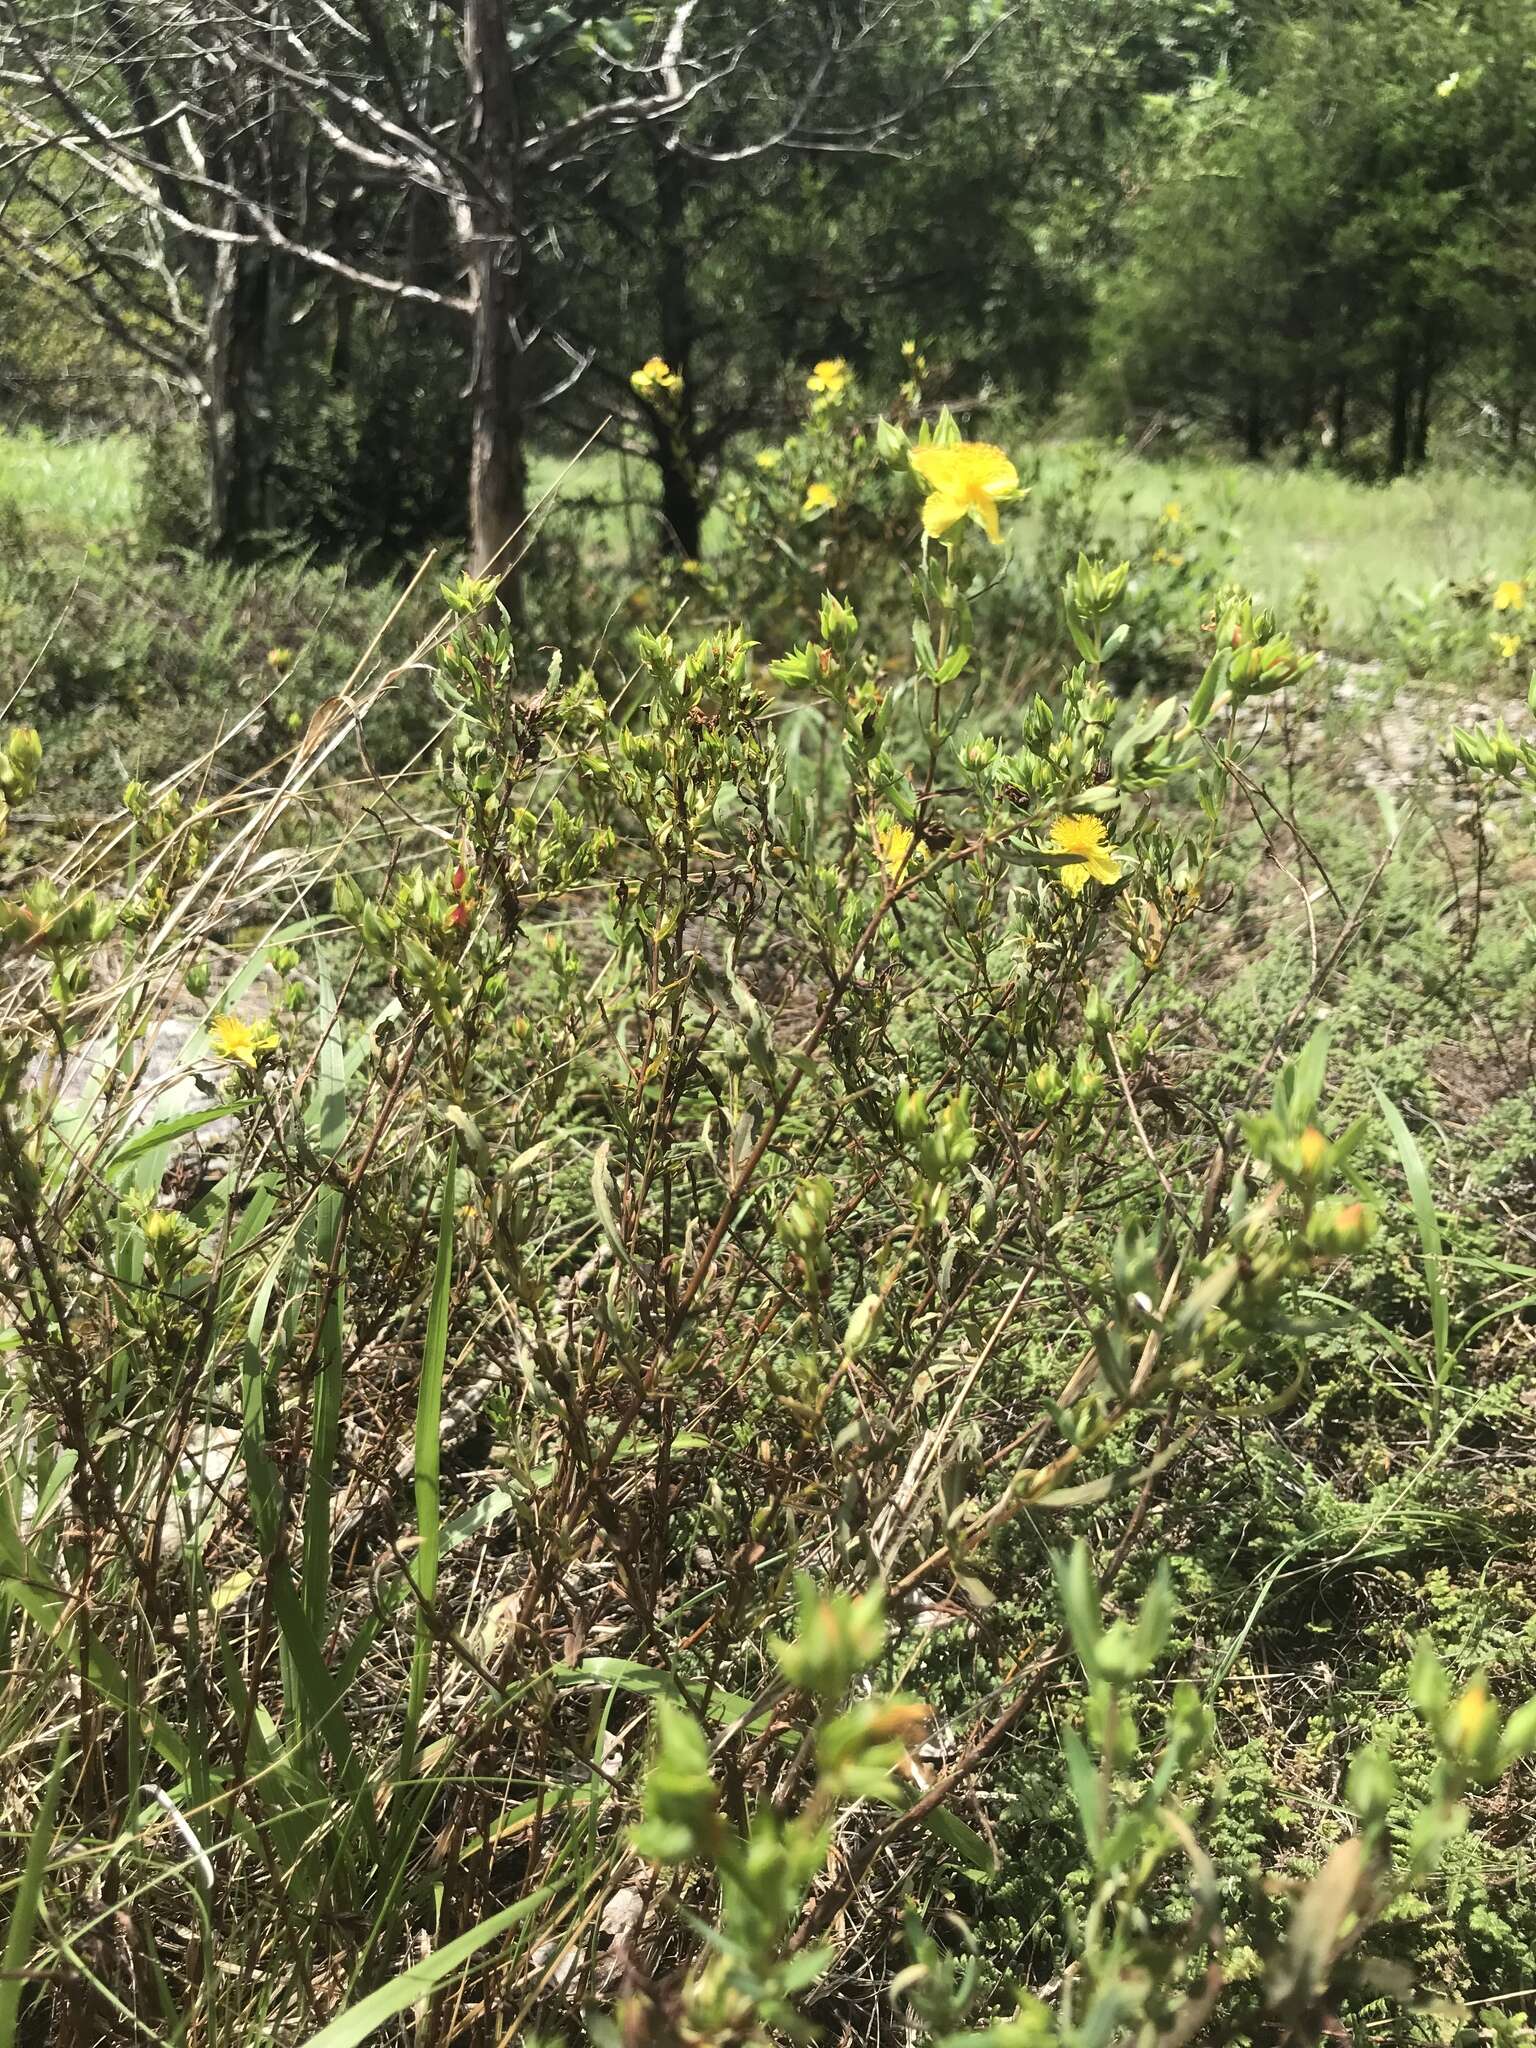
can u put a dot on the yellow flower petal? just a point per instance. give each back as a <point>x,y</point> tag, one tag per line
<point>940,511</point>
<point>968,479</point>
<point>246,1044</point>
<point>896,844</point>
<point>1510,596</point>
<point>830,376</point>
<point>961,466</point>
<point>1084,835</point>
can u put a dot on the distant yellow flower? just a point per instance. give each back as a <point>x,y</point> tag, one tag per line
<point>279,658</point>
<point>655,374</point>
<point>1447,86</point>
<point>1508,644</point>
<point>232,1038</point>
<point>1173,512</point>
<point>909,348</point>
<point>1176,560</point>
<point>1510,596</point>
<point>967,479</point>
<point>830,377</point>
<point>769,458</point>
<point>896,844</point>
<point>1084,836</point>
<point>819,498</point>
<point>691,566</point>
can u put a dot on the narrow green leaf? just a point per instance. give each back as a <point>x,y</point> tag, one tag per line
<point>358,2022</point>
<point>29,1892</point>
<point>174,1127</point>
<point>429,1418</point>
<point>1422,1197</point>
<point>602,1201</point>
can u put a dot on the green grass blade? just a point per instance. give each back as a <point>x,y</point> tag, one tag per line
<point>166,1134</point>
<point>429,1418</point>
<point>355,2025</point>
<point>328,1121</point>
<point>1422,1197</point>
<point>29,1892</point>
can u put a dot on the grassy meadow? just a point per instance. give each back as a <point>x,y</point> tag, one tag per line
<point>1362,544</point>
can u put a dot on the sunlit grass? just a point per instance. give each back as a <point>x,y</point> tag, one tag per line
<point>83,489</point>
<point>1359,541</point>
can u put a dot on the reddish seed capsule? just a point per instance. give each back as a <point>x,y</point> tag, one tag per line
<point>459,879</point>
<point>458,917</point>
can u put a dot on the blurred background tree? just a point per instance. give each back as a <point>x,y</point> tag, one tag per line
<point>354,262</point>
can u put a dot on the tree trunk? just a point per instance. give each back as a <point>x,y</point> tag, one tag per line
<point>682,507</point>
<point>1340,418</point>
<point>1253,429</point>
<point>1399,432</point>
<point>1306,424</point>
<point>498,483</point>
<point>238,414</point>
<point>1419,453</point>
<point>682,515</point>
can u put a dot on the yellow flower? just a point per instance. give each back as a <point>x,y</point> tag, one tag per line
<point>1084,836</point>
<point>279,658</point>
<point>769,458</point>
<point>830,377</point>
<point>909,348</point>
<point>819,498</point>
<point>1471,1719</point>
<point>1173,512</point>
<point>1510,596</point>
<point>691,566</point>
<point>655,374</point>
<point>896,844</point>
<point>246,1044</point>
<point>1508,644</point>
<point>1447,86</point>
<point>968,478</point>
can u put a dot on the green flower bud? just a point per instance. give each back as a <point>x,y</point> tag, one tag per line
<point>1335,1228</point>
<point>837,623</point>
<point>1044,1085</point>
<point>862,1325</point>
<point>1097,1013</point>
<point>26,752</point>
<point>837,1637</point>
<point>1087,1078</point>
<point>912,1119</point>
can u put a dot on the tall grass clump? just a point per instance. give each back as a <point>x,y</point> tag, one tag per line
<point>547,1304</point>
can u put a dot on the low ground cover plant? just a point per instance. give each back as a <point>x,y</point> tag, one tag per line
<point>743,1330</point>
